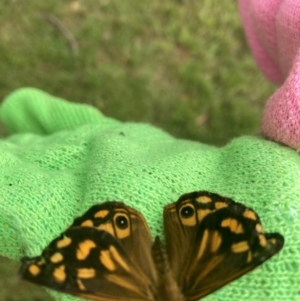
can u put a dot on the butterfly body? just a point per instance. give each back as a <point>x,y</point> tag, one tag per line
<point>108,253</point>
<point>166,288</point>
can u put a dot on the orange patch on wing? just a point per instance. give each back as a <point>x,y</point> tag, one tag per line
<point>106,260</point>
<point>203,199</point>
<point>240,247</point>
<point>262,240</point>
<point>259,228</point>
<point>202,213</point>
<point>216,241</point>
<point>87,223</point>
<point>233,225</point>
<point>118,258</point>
<point>80,285</point>
<point>86,273</point>
<point>59,274</point>
<point>250,214</point>
<point>64,242</point>
<point>108,228</point>
<point>219,205</point>
<point>34,270</point>
<point>84,249</point>
<point>203,244</point>
<point>56,257</point>
<point>101,213</point>
<point>249,257</point>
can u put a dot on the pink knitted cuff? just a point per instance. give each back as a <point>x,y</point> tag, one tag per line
<point>281,117</point>
<point>273,32</point>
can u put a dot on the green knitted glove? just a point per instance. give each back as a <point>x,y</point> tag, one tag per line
<point>65,157</point>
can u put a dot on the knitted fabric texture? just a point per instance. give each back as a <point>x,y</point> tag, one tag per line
<point>63,158</point>
<point>273,31</point>
<point>281,116</point>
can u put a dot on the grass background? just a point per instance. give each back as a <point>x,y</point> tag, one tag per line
<point>183,66</point>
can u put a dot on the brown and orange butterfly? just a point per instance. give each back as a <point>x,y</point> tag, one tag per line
<point>108,253</point>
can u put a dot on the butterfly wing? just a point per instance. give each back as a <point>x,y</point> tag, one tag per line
<point>95,257</point>
<point>181,232</point>
<point>128,226</point>
<point>224,240</point>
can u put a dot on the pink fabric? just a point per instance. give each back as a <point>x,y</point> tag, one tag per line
<point>273,32</point>
<point>281,117</point>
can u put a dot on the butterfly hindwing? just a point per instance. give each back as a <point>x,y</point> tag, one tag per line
<point>224,240</point>
<point>90,262</point>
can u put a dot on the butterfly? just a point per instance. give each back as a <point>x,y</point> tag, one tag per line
<point>108,252</point>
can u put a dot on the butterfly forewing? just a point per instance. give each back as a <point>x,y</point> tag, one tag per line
<point>128,226</point>
<point>181,233</point>
<point>226,240</point>
<point>88,262</point>
<point>96,259</point>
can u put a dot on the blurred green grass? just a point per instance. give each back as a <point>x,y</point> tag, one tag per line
<point>182,66</point>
